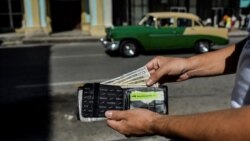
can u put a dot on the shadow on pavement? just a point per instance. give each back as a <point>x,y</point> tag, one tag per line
<point>24,108</point>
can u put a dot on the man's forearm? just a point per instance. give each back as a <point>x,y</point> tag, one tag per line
<point>232,124</point>
<point>214,63</point>
<point>222,61</point>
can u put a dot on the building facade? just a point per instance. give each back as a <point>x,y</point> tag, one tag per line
<point>42,17</point>
<point>135,9</point>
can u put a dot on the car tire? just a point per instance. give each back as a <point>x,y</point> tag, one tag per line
<point>129,48</point>
<point>202,46</point>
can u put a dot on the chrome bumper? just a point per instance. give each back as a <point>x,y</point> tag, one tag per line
<point>110,45</point>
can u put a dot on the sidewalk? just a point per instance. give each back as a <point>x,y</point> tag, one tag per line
<point>62,37</point>
<point>68,37</point>
<point>238,33</point>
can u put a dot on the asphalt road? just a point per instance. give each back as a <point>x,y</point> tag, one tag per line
<point>38,86</point>
<point>77,63</point>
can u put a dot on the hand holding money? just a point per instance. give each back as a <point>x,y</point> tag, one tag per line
<point>168,69</point>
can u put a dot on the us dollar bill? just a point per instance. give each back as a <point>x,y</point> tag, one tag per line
<point>144,68</point>
<point>143,71</point>
<point>136,78</point>
<point>135,85</point>
<point>138,75</point>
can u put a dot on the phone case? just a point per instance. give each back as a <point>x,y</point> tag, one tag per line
<point>94,99</point>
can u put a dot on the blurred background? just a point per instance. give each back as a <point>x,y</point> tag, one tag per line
<point>51,47</point>
<point>92,16</point>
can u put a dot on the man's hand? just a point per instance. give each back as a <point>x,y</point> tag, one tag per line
<point>170,69</point>
<point>136,122</point>
<point>167,69</point>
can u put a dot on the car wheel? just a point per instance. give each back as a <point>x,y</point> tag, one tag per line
<point>129,48</point>
<point>202,46</point>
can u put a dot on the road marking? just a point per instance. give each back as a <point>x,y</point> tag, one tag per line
<point>59,84</point>
<point>77,56</point>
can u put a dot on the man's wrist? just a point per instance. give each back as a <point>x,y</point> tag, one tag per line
<point>192,62</point>
<point>159,125</point>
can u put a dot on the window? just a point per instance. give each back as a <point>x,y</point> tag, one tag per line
<point>178,9</point>
<point>149,21</point>
<point>166,22</point>
<point>201,22</point>
<point>11,14</point>
<point>196,23</point>
<point>183,22</point>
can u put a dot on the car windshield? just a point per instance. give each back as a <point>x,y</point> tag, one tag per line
<point>147,21</point>
<point>200,21</point>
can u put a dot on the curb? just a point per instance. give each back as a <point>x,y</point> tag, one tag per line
<point>240,33</point>
<point>237,35</point>
<point>60,40</point>
<point>44,40</point>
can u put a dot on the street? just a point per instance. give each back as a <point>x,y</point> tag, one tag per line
<point>77,63</point>
<point>54,72</point>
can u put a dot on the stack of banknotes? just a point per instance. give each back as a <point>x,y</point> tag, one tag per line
<point>136,78</point>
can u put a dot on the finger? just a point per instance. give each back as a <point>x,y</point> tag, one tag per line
<point>156,65</point>
<point>151,71</point>
<point>116,125</point>
<point>183,77</point>
<point>150,65</point>
<point>115,115</point>
<point>155,76</point>
<point>152,79</point>
<point>153,64</point>
<point>119,126</point>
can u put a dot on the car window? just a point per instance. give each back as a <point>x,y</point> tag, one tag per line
<point>149,21</point>
<point>200,21</point>
<point>196,23</point>
<point>184,22</point>
<point>166,22</point>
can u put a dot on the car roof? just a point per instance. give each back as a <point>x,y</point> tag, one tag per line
<point>173,14</point>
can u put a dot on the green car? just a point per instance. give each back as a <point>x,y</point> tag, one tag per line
<point>164,31</point>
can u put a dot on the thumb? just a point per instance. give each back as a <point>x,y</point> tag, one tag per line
<point>155,76</point>
<point>115,115</point>
<point>183,77</point>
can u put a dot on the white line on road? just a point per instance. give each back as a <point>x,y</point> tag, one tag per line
<point>78,56</point>
<point>58,84</point>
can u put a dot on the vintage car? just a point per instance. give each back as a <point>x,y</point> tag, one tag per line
<point>162,31</point>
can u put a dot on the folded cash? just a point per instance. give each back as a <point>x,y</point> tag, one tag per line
<point>136,78</point>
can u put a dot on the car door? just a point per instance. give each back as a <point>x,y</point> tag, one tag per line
<point>163,35</point>
<point>184,40</point>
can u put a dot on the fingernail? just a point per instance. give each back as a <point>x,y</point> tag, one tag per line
<point>149,82</point>
<point>108,114</point>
